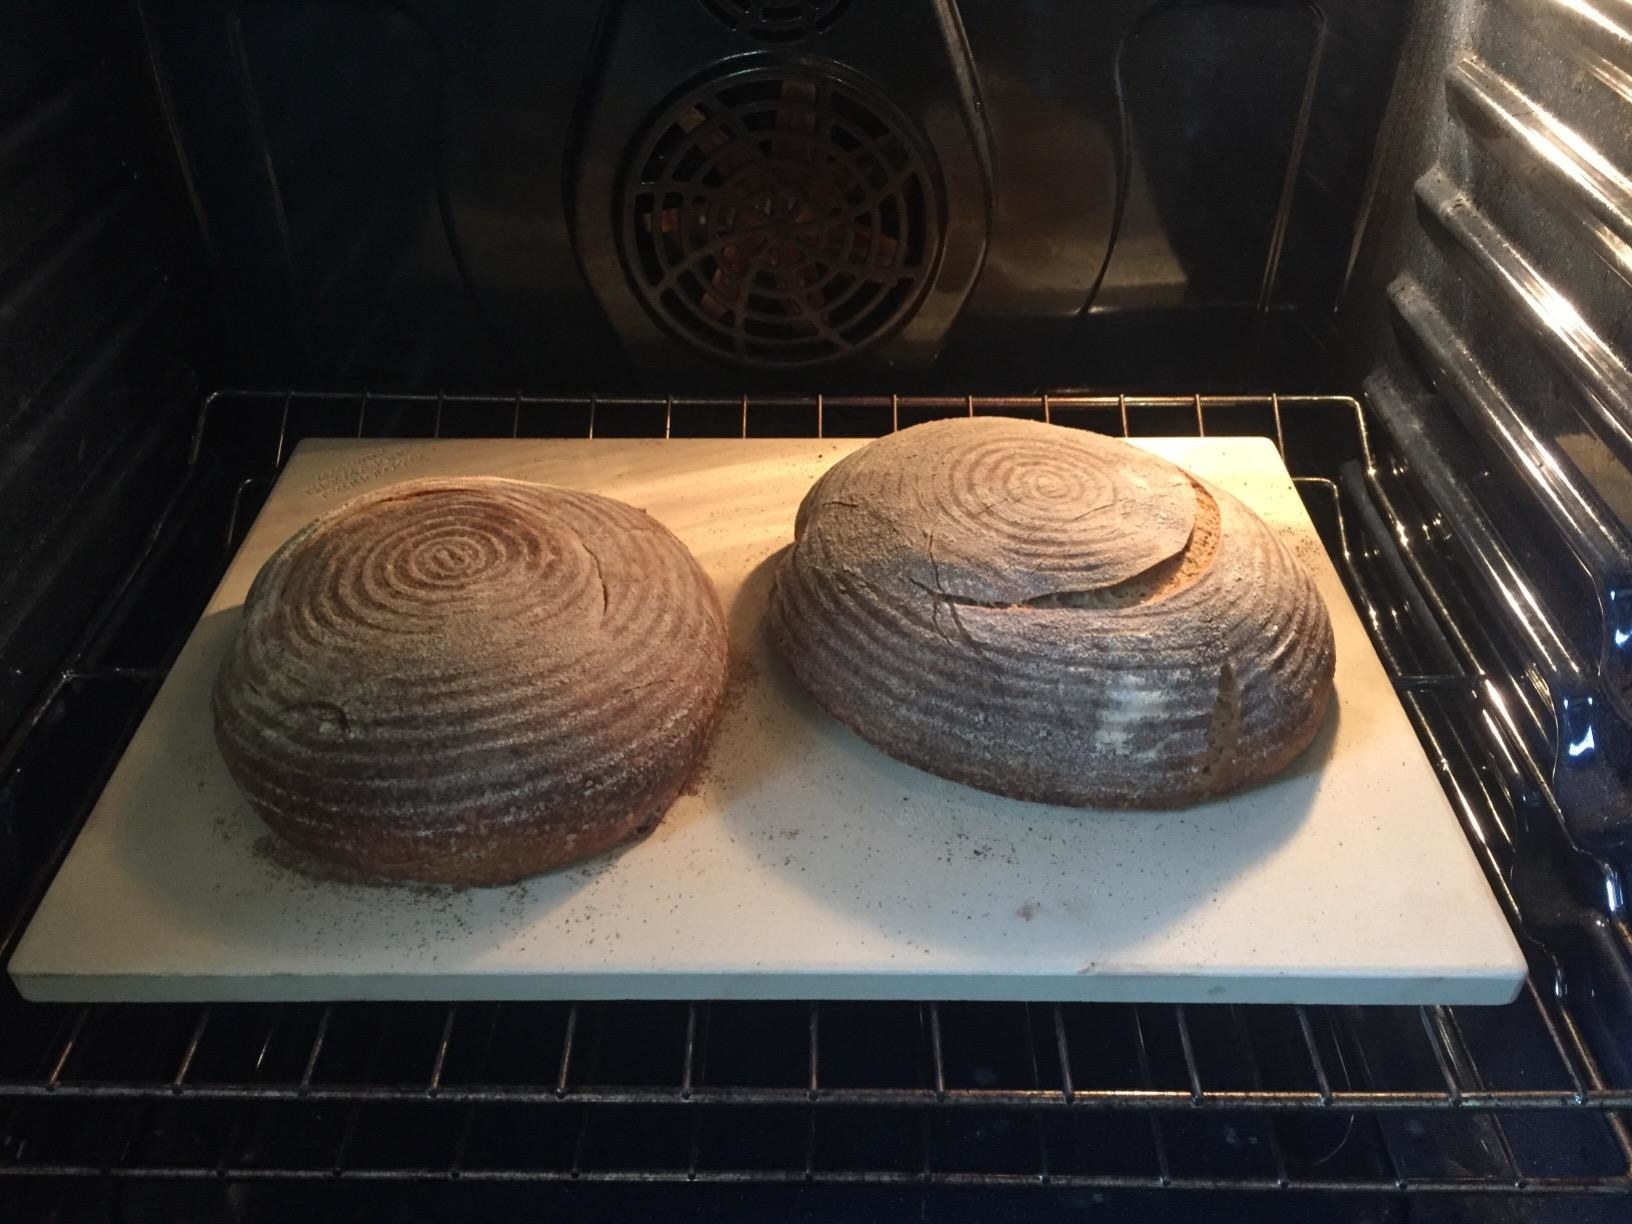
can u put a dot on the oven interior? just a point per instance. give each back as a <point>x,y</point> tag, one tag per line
<point>1394,238</point>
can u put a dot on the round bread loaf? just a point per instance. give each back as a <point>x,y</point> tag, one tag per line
<point>469,681</point>
<point>1051,615</point>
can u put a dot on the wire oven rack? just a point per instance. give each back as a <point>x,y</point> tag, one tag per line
<point>1529,1099</point>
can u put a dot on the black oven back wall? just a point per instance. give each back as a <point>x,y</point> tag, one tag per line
<point>729,195</point>
<point>379,185</point>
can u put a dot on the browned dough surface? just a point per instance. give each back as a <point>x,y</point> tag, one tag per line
<point>1053,615</point>
<point>469,681</point>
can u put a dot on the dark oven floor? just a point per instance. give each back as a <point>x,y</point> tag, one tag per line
<point>1370,1108</point>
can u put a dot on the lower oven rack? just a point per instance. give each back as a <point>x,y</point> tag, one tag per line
<point>1527,1099</point>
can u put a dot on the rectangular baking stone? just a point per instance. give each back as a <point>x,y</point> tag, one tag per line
<point>807,865</point>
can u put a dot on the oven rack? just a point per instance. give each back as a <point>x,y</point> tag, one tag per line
<point>1330,1099</point>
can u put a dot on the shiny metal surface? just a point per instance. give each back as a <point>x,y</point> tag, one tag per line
<point>1586,526</point>
<point>1596,32</point>
<point>1495,287</point>
<point>1563,333</point>
<point>1563,167</point>
<point>1587,742</point>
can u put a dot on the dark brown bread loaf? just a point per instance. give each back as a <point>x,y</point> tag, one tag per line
<point>470,681</point>
<point>1052,615</point>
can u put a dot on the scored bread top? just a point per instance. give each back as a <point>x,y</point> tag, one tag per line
<point>429,664</point>
<point>1053,615</point>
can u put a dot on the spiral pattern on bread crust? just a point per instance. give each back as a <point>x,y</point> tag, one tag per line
<point>1052,615</point>
<point>471,680</point>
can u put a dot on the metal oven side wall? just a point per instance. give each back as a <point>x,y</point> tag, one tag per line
<point>99,310</point>
<point>1489,315</point>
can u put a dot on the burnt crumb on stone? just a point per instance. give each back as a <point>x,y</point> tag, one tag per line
<point>698,780</point>
<point>1028,911</point>
<point>274,850</point>
<point>740,673</point>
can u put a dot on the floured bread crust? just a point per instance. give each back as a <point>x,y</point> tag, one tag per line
<point>1052,615</point>
<point>468,681</point>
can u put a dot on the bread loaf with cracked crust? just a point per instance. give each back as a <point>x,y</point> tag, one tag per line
<point>1052,615</point>
<point>468,681</point>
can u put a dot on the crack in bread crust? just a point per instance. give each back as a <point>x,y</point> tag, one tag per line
<point>1052,615</point>
<point>1161,580</point>
<point>470,680</point>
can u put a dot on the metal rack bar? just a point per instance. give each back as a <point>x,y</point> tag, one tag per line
<point>576,1168</point>
<point>695,1145</point>
<point>316,1052</point>
<point>137,675</point>
<point>67,1051</point>
<point>1197,1093</point>
<point>1158,1141</point>
<point>268,1031</point>
<point>283,428</point>
<point>462,1143</point>
<point>1062,1051</point>
<point>691,1050</point>
<point>566,1051</point>
<point>347,1136</point>
<point>959,405</point>
<point>1376,1119</point>
<point>1483,817</point>
<point>1117,1100</point>
<point>235,1134</point>
<point>244,486</point>
<point>1036,1085</point>
<point>1255,1076</point>
<point>1532,1187</point>
<point>180,1077</point>
<point>441,1060</point>
<point>938,1063</point>
<point>132,1133</point>
<point>1316,1063</point>
<point>1442,1057</point>
<point>813,1064</point>
<point>1468,1071</point>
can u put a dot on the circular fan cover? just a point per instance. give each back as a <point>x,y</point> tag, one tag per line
<point>780,217</point>
<point>777,21</point>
